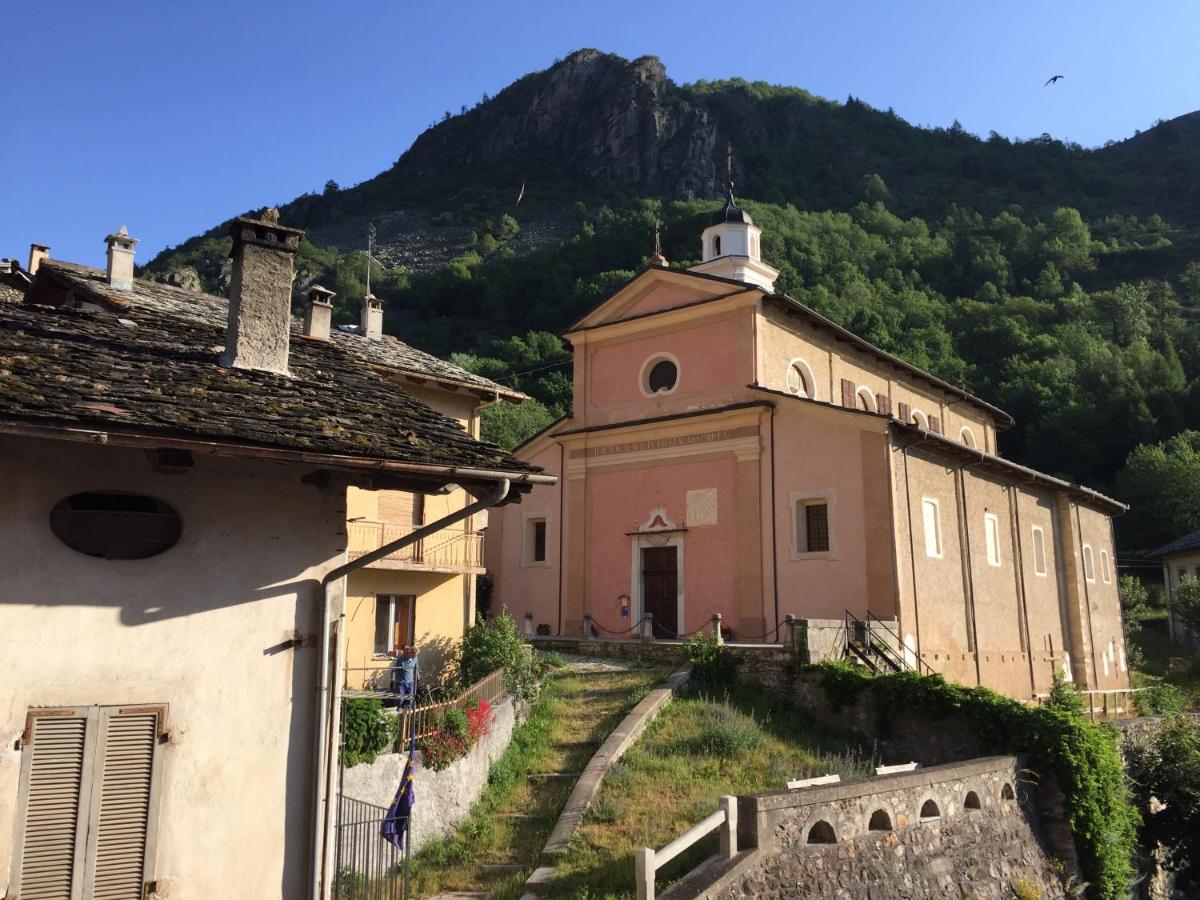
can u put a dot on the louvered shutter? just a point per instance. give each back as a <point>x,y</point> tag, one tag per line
<point>905,412</point>
<point>121,804</point>
<point>935,424</point>
<point>50,828</point>
<point>884,402</point>
<point>848,393</point>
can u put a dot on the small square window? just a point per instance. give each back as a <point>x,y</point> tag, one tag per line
<point>931,517</point>
<point>812,523</point>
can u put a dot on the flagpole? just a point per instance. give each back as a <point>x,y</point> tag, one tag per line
<point>412,746</point>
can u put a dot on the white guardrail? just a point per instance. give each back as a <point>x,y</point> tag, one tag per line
<point>648,861</point>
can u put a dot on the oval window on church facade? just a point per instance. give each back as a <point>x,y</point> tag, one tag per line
<point>115,524</point>
<point>661,376</point>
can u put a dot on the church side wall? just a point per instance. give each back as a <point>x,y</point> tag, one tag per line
<point>519,583</point>
<point>783,338</point>
<point>1110,664</point>
<point>825,454</point>
<point>1045,603</point>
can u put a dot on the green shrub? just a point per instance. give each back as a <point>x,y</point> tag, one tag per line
<point>1168,769</point>
<point>712,664</point>
<point>729,739</point>
<point>1160,699</point>
<point>488,645</point>
<point>454,723</point>
<point>369,730</point>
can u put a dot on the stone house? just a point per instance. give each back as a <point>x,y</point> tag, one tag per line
<point>174,569</point>
<point>1180,557</point>
<point>732,451</point>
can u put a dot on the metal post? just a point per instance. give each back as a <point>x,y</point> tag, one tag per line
<point>716,629</point>
<point>729,829</point>
<point>644,873</point>
<point>648,627</point>
<point>790,621</point>
<point>587,627</point>
<point>529,625</point>
<point>408,838</point>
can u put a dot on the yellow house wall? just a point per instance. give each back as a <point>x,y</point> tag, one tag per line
<point>441,614</point>
<point>199,628</point>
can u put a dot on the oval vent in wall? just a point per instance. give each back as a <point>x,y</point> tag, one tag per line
<point>115,524</point>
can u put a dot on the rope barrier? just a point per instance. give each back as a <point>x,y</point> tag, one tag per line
<point>628,630</point>
<point>763,637</point>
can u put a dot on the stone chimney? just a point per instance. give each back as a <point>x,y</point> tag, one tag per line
<point>318,312</point>
<point>120,259</point>
<point>260,293</point>
<point>372,317</point>
<point>37,253</point>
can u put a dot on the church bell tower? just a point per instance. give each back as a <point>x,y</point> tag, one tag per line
<point>730,247</point>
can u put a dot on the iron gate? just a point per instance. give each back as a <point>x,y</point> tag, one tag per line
<point>366,866</point>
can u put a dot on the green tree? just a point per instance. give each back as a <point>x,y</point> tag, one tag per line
<point>1161,484</point>
<point>508,424</point>
<point>1186,602</point>
<point>1168,775</point>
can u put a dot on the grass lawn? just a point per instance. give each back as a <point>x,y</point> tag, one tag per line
<point>699,748</point>
<point>497,848</point>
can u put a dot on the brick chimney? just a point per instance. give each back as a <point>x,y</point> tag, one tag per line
<point>120,259</point>
<point>372,317</point>
<point>260,293</point>
<point>37,253</point>
<point>318,312</point>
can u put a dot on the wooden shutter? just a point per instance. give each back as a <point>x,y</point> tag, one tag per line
<point>121,805</point>
<point>88,795</point>
<point>50,825</point>
<point>935,424</point>
<point>905,412</point>
<point>848,393</point>
<point>396,507</point>
<point>884,402</point>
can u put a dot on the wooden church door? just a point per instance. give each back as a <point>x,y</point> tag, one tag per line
<point>660,589</point>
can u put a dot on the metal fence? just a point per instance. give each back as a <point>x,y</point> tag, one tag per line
<point>450,547</point>
<point>489,688</point>
<point>367,867</point>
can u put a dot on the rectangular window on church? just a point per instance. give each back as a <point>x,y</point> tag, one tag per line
<point>931,517</point>
<point>812,524</point>
<point>991,534</point>
<point>535,541</point>
<point>1039,551</point>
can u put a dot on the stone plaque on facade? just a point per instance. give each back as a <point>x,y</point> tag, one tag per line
<point>701,507</point>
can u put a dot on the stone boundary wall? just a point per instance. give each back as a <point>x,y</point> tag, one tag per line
<point>445,798</point>
<point>965,829</point>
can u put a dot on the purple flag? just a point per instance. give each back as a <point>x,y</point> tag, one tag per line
<point>395,825</point>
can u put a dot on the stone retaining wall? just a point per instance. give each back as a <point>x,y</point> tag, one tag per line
<point>445,798</point>
<point>962,830</point>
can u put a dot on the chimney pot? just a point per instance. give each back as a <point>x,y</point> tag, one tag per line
<point>120,259</point>
<point>260,293</point>
<point>37,254</point>
<point>372,317</point>
<point>318,312</point>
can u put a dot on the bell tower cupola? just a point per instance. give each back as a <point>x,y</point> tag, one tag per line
<point>730,246</point>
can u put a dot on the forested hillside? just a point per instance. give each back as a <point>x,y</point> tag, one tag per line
<point>1057,282</point>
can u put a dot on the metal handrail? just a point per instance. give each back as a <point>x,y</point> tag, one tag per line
<point>872,643</point>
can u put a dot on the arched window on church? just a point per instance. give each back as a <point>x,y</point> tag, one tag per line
<point>716,245</point>
<point>920,419</point>
<point>967,436</point>
<point>800,380</point>
<point>865,399</point>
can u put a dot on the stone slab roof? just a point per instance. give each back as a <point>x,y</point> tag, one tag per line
<point>210,309</point>
<point>1184,544</point>
<point>146,372</point>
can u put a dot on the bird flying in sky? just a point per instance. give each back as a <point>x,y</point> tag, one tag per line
<point>1052,79</point>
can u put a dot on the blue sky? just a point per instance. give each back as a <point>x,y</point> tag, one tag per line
<point>170,117</point>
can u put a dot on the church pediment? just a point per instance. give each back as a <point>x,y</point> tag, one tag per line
<point>654,290</point>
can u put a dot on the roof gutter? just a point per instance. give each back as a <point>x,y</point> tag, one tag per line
<point>328,711</point>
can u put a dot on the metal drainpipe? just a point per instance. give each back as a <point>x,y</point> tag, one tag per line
<point>327,716</point>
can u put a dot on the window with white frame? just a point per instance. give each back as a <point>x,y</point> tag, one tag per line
<point>967,437</point>
<point>1039,551</point>
<point>1105,572</point>
<point>864,398</point>
<point>812,522</point>
<point>534,551</point>
<point>800,379</point>
<point>660,374</point>
<point>991,534</point>
<point>1089,566</point>
<point>931,517</point>
<point>919,419</point>
<point>393,623</point>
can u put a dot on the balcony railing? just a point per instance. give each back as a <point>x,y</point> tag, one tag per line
<point>454,549</point>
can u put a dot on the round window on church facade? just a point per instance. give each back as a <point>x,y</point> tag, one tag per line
<point>661,376</point>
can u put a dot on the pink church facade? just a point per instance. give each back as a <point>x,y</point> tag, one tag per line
<point>731,451</point>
